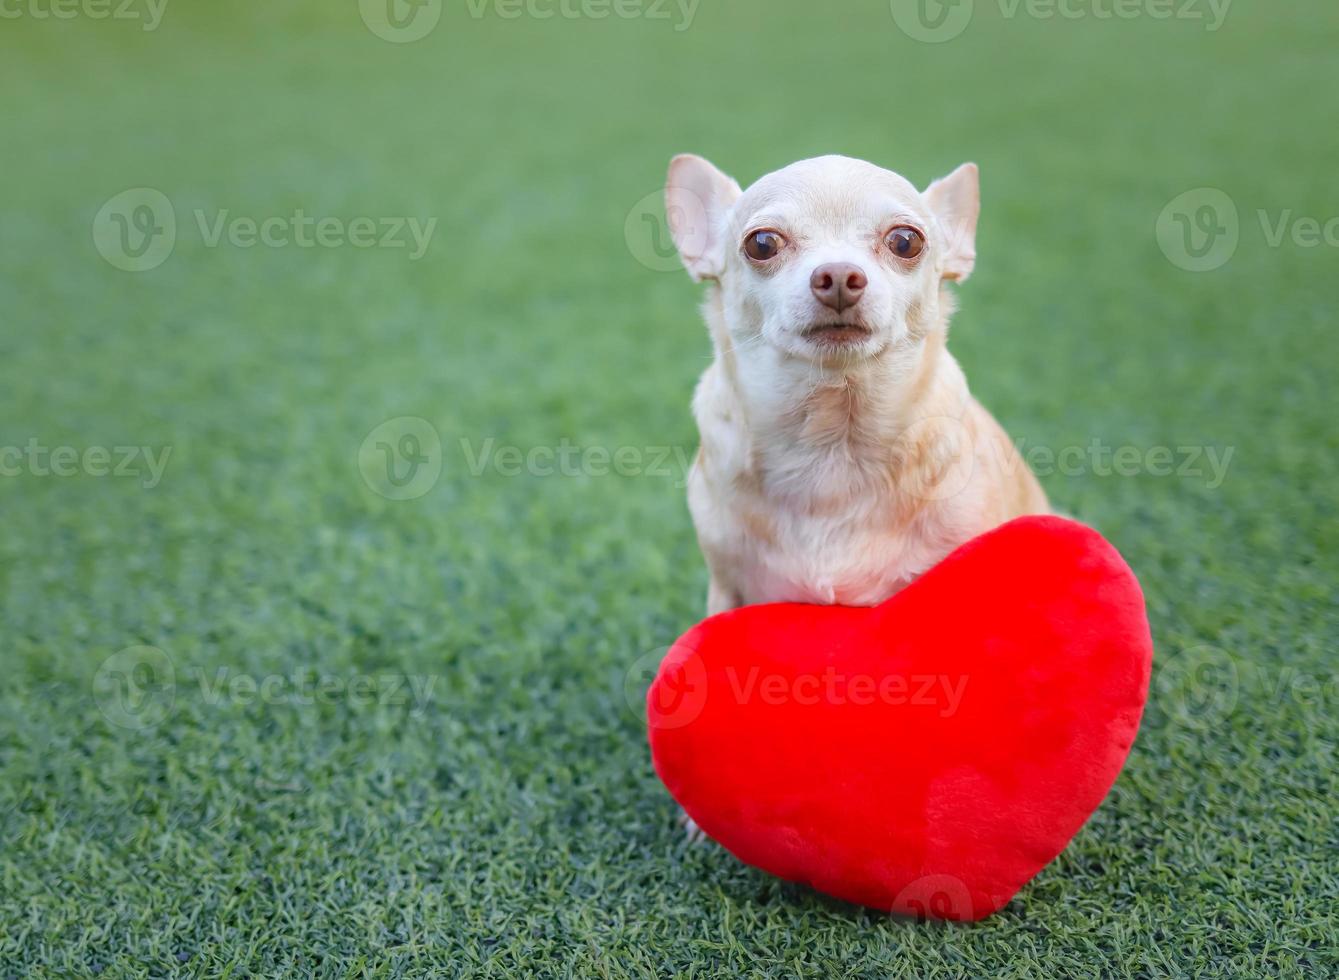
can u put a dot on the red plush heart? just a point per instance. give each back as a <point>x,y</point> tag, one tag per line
<point>927,756</point>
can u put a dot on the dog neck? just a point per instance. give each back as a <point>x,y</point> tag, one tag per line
<point>800,414</point>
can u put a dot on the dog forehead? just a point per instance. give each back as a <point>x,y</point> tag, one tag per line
<point>829,191</point>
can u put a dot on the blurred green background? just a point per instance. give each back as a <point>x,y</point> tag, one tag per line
<point>156,818</point>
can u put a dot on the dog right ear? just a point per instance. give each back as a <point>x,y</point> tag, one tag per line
<point>956,202</point>
<point>697,199</point>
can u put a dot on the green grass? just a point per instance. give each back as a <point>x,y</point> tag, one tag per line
<point>511,820</point>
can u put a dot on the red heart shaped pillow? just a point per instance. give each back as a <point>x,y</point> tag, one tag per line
<point>926,756</point>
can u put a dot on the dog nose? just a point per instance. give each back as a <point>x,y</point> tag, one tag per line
<point>838,285</point>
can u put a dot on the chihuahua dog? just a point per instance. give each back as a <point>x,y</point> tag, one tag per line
<point>841,453</point>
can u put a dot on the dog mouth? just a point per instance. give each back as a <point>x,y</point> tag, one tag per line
<point>837,334</point>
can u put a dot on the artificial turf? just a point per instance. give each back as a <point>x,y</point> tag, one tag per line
<point>502,817</point>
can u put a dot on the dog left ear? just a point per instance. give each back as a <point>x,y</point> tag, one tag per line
<point>956,202</point>
<point>697,198</point>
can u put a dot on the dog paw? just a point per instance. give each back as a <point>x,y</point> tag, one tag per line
<point>694,833</point>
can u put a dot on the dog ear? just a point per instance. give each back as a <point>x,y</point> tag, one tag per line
<point>956,202</point>
<point>697,197</point>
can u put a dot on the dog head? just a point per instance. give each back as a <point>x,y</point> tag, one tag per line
<point>827,259</point>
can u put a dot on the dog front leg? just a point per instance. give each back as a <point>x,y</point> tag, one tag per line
<point>720,597</point>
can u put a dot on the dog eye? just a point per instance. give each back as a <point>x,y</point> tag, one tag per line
<point>905,241</point>
<point>763,245</point>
